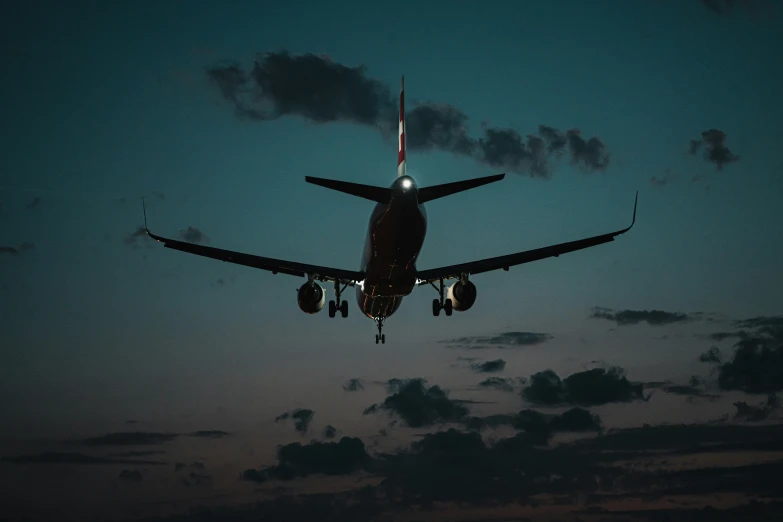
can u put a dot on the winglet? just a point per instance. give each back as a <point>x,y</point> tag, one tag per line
<point>634,215</point>
<point>144,208</point>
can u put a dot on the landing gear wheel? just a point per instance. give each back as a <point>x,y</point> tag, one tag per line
<point>380,336</point>
<point>435,307</point>
<point>448,307</point>
<point>344,308</point>
<point>332,309</point>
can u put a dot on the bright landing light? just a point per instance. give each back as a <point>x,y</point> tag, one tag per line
<point>406,183</point>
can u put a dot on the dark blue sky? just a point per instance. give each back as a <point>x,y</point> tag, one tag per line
<point>106,102</point>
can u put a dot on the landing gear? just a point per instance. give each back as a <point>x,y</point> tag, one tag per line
<point>337,304</point>
<point>441,304</point>
<point>380,336</point>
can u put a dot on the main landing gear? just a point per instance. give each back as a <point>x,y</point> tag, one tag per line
<point>380,336</point>
<point>342,306</point>
<point>440,304</point>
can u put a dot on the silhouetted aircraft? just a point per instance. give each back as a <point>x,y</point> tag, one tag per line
<point>395,236</point>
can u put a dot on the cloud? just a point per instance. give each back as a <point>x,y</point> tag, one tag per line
<point>651,317</point>
<point>498,365</point>
<point>35,203</point>
<point>135,438</point>
<point>756,367</point>
<point>301,417</point>
<point>330,432</point>
<point>539,427</point>
<point>757,413</point>
<point>322,90</point>
<point>501,341</point>
<point>588,388</point>
<point>75,458</point>
<point>209,434</point>
<point>757,8</point>
<point>12,251</point>
<point>127,475</point>
<point>328,458</point>
<point>498,383</point>
<point>715,150</point>
<point>710,356</point>
<point>419,405</point>
<point>193,235</point>
<point>135,453</point>
<point>693,390</point>
<point>353,385</point>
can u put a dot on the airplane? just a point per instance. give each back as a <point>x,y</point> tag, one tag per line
<point>395,236</point>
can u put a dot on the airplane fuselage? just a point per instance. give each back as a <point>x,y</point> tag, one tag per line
<point>394,239</point>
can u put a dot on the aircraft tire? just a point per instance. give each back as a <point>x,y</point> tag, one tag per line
<point>448,307</point>
<point>332,309</point>
<point>435,307</point>
<point>344,308</point>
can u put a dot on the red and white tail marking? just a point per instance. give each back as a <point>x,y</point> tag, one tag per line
<point>401,143</point>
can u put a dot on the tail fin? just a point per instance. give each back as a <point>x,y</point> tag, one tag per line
<point>401,148</point>
<point>447,189</point>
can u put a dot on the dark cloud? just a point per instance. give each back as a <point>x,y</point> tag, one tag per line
<point>756,367</point>
<point>75,458</point>
<point>693,390</point>
<point>328,458</point>
<point>651,317</point>
<point>756,8</point>
<point>495,366</point>
<point>195,478</point>
<point>498,383</point>
<point>588,154</point>
<point>715,150</point>
<point>353,385</point>
<point>34,203</point>
<point>710,356</point>
<point>757,413</point>
<point>12,251</point>
<point>655,181</point>
<point>209,434</point>
<point>330,432</point>
<point>588,388</point>
<point>134,438</point>
<point>136,453</point>
<point>301,417</point>
<point>419,405</point>
<point>321,90</point>
<point>539,427</point>
<point>503,340</point>
<point>130,475</point>
<point>193,235</point>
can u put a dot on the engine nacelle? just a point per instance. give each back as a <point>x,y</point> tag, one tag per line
<point>311,298</point>
<point>462,295</point>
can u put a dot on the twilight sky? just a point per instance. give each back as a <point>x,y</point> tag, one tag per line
<point>105,332</point>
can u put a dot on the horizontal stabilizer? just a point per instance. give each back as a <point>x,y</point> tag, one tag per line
<point>377,194</point>
<point>447,189</point>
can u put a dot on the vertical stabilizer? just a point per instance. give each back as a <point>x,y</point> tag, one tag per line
<point>401,147</point>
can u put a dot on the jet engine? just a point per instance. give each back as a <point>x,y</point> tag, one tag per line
<point>462,295</point>
<point>311,298</point>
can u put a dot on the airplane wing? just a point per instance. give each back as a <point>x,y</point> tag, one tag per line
<point>321,273</point>
<point>504,262</point>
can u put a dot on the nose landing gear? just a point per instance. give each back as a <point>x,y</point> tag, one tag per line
<point>380,336</point>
